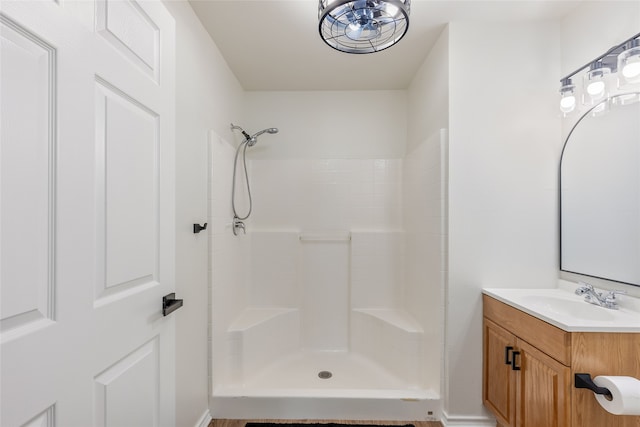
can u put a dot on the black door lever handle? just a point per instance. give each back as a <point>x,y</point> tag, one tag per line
<point>170,304</point>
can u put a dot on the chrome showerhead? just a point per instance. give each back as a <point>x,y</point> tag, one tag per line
<point>251,140</point>
<point>254,138</point>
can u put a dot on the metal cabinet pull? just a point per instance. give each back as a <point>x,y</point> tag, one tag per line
<point>507,350</point>
<point>170,304</point>
<point>513,361</point>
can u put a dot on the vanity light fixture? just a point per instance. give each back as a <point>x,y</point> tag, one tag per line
<point>363,26</point>
<point>595,82</point>
<point>629,63</point>
<point>568,97</point>
<point>621,62</point>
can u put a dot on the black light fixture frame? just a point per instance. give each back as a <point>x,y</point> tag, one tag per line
<point>325,7</point>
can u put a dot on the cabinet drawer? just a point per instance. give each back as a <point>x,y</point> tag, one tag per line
<point>551,340</point>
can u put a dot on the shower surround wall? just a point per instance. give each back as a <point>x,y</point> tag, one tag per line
<point>329,277</point>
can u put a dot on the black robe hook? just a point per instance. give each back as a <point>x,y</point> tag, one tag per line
<point>198,228</point>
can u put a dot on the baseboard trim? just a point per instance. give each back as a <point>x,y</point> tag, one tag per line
<point>466,421</point>
<point>204,420</point>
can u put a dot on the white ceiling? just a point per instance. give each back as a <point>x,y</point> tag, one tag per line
<point>275,45</point>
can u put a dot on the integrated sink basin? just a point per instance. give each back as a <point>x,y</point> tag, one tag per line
<point>563,308</point>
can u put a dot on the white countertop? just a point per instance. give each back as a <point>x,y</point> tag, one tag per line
<point>561,307</point>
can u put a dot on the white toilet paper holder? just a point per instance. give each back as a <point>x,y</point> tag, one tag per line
<point>585,381</point>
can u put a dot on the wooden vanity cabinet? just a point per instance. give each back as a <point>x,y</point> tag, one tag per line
<point>499,381</point>
<point>540,393</point>
<point>522,385</point>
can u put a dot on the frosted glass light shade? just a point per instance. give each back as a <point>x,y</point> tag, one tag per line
<point>629,65</point>
<point>567,103</point>
<point>596,84</point>
<point>567,97</point>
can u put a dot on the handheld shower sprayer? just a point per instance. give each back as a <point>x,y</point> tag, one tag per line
<point>249,141</point>
<point>254,138</point>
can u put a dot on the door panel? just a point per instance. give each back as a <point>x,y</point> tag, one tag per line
<point>543,391</point>
<point>131,31</point>
<point>127,152</point>
<point>499,391</point>
<point>89,138</point>
<point>126,393</point>
<point>27,179</point>
<point>44,419</point>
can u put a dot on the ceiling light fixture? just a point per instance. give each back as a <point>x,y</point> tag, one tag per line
<point>363,26</point>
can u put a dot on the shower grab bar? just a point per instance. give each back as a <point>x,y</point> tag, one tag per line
<point>339,236</point>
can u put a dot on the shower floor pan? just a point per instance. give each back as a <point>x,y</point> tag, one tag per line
<point>292,388</point>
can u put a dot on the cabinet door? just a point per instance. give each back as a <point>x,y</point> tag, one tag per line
<point>498,391</point>
<point>543,390</point>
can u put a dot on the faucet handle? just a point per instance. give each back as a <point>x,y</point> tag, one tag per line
<point>585,285</point>
<point>612,294</point>
<point>610,299</point>
<point>583,288</point>
<point>238,224</point>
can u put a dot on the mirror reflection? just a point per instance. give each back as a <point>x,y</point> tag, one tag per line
<point>600,194</point>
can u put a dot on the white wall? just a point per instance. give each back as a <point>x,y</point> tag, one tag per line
<point>428,94</point>
<point>208,97</point>
<point>503,158</point>
<point>593,28</point>
<point>328,124</point>
<point>424,252</point>
<point>228,272</point>
<point>325,194</point>
<point>424,200</point>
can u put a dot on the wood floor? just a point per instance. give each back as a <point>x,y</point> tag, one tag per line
<point>241,423</point>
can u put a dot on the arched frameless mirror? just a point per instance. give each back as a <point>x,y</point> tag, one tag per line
<point>600,194</point>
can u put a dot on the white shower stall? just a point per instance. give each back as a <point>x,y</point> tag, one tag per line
<point>331,305</point>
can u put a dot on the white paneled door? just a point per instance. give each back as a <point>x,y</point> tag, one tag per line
<point>86,213</point>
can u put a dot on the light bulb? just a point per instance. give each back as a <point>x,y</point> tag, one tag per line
<point>392,9</point>
<point>595,83</point>
<point>567,97</point>
<point>629,64</point>
<point>596,89</point>
<point>632,70</point>
<point>567,103</point>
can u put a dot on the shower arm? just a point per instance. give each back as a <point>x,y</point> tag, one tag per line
<point>247,137</point>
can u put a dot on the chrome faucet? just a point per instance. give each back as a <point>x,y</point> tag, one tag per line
<point>598,298</point>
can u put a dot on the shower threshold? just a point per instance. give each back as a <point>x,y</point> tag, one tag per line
<point>356,389</point>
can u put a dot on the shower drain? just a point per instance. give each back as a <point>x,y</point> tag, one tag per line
<point>325,375</point>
